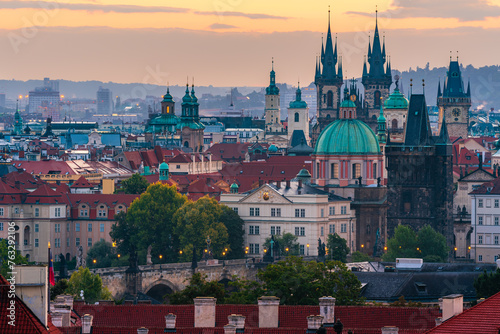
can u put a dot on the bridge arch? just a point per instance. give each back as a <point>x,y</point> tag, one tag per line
<point>160,290</point>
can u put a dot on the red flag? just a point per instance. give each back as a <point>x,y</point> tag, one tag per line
<point>52,279</point>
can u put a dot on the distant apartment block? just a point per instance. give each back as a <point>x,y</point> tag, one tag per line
<point>46,100</point>
<point>104,101</point>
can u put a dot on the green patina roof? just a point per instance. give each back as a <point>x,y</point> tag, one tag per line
<point>234,186</point>
<point>298,103</point>
<point>165,120</point>
<point>190,124</point>
<point>396,100</point>
<point>163,166</point>
<point>273,148</point>
<point>347,103</point>
<point>347,137</point>
<point>167,97</point>
<point>304,173</point>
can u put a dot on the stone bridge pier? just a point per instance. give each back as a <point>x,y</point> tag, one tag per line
<point>161,280</point>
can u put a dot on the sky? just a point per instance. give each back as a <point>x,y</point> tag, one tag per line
<point>231,42</point>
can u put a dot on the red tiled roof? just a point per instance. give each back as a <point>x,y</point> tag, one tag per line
<point>111,200</point>
<point>81,183</point>
<point>45,195</point>
<point>45,166</point>
<point>26,321</point>
<point>484,318</point>
<point>134,158</point>
<point>489,188</point>
<point>26,180</point>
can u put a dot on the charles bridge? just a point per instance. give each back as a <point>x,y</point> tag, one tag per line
<point>159,280</point>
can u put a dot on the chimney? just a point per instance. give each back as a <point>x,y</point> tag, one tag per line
<point>327,309</point>
<point>142,330</point>
<point>87,323</point>
<point>390,330</point>
<point>204,311</point>
<point>238,321</point>
<point>313,323</point>
<point>268,311</point>
<point>64,313</point>
<point>57,319</point>
<point>278,184</point>
<point>287,184</point>
<point>230,329</point>
<point>452,305</point>
<point>300,183</point>
<point>170,322</point>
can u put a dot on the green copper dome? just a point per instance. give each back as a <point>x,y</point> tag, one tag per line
<point>396,100</point>
<point>234,186</point>
<point>298,103</point>
<point>163,166</point>
<point>187,98</point>
<point>347,137</point>
<point>304,173</point>
<point>347,103</point>
<point>167,97</point>
<point>165,120</point>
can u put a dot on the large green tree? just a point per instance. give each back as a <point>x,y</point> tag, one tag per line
<point>148,222</point>
<point>91,284</point>
<point>235,230</point>
<point>198,287</point>
<point>9,258</point>
<point>427,244</point>
<point>487,284</point>
<point>194,222</point>
<point>136,184</point>
<point>299,282</point>
<point>104,255</point>
<point>285,242</point>
<point>337,248</point>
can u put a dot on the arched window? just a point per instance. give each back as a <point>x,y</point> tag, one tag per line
<point>374,170</point>
<point>26,235</point>
<point>329,99</point>
<point>376,99</point>
<point>186,144</point>
<point>394,125</point>
<point>296,117</point>
<point>356,171</point>
<point>368,229</point>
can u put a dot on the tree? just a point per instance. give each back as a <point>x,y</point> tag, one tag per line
<point>91,284</point>
<point>427,244</point>
<point>487,284</point>
<point>235,230</point>
<point>8,257</point>
<point>60,288</point>
<point>360,257</point>
<point>284,242</point>
<point>298,282</point>
<point>337,248</point>
<point>148,221</point>
<point>194,222</point>
<point>103,254</point>
<point>244,291</point>
<point>198,287</point>
<point>136,184</point>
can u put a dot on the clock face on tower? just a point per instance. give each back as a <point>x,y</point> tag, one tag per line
<point>455,112</point>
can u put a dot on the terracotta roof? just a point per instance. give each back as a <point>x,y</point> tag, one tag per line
<point>45,195</point>
<point>483,318</point>
<point>45,167</point>
<point>81,183</point>
<point>26,180</point>
<point>26,321</point>
<point>488,188</point>
<point>110,200</point>
<point>134,158</point>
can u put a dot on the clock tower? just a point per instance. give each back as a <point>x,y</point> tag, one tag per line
<point>454,102</point>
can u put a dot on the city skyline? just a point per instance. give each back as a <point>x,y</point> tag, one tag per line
<point>231,42</point>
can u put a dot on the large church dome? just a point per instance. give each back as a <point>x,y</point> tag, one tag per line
<point>347,137</point>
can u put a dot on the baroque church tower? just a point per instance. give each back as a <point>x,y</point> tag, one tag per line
<point>272,109</point>
<point>328,80</point>
<point>454,102</point>
<point>189,127</point>
<point>376,78</point>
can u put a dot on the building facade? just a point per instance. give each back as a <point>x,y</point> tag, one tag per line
<point>104,101</point>
<point>298,116</point>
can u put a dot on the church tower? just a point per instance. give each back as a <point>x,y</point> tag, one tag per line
<point>454,102</point>
<point>328,80</point>
<point>272,109</point>
<point>376,79</point>
<point>298,116</point>
<point>189,127</point>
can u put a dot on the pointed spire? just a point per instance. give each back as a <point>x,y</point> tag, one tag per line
<point>322,50</point>
<point>330,58</point>
<point>439,88</point>
<point>340,68</point>
<point>335,51</point>
<point>381,125</point>
<point>383,48</point>
<point>365,71</point>
<point>468,88</point>
<point>369,47</point>
<point>444,138</point>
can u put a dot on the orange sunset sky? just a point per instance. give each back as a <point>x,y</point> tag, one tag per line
<point>231,42</point>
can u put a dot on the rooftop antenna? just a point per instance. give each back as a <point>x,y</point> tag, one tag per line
<point>457,55</point>
<point>423,86</point>
<point>411,87</point>
<point>450,55</point>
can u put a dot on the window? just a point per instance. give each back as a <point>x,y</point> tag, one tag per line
<point>302,231</point>
<point>1,226</point>
<point>496,204</point>
<point>480,258</point>
<point>77,242</point>
<point>101,227</point>
<point>297,231</point>
<point>296,116</point>
<point>332,211</point>
<point>343,210</point>
<point>275,212</point>
<point>275,230</point>
<point>37,212</point>
<point>331,229</point>
<point>297,212</point>
<point>253,229</point>
<point>334,171</point>
<point>1,211</point>
<point>67,242</point>
<point>374,171</point>
<point>84,213</point>
<point>322,213</point>
<point>254,212</point>
<point>57,212</point>
<point>77,227</point>
<point>16,211</point>
<point>302,213</point>
<point>496,239</point>
<point>329,99</point>
<point>322,231</point>
<point>37,228</point>
<point>67,227</point>
<point>120,209</point>
<point>89,227</point>
<point>89,242</point>
<point>356,171</point>
<point>235,210</point>
<point>496,221</point>
<point>302,249</point>
<point>254,248</point>
<point>343,228</point>
<point>480,203</point>
<point>376,99</point>
<point>36,242</point>
<point>480,240</point>
<point>57,243</point>
<point>394,124</point>
<point>101,212</point>
<point>57,228</point>
<point>480,220</point>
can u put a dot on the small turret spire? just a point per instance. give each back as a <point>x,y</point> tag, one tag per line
<point>340,68</point>
<point>365,71</point>
<point>322,50</point>
<point>468,88</point>
<point>381,125</point>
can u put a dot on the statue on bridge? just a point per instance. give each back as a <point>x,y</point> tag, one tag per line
<point>80,260</point>
<point>148,258</point>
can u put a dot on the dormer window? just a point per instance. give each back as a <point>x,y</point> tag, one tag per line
<point>101,211</point>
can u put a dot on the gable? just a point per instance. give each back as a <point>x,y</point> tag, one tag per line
<point>258,196</point>
<point>478,175</point>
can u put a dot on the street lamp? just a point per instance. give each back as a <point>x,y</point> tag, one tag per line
<point>307,249</point>
<point>161,256</point>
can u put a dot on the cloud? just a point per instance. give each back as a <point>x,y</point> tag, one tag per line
<point>463,10</point>
<point>222,26</point>
<point>253,16</point>
<point>9,4</point>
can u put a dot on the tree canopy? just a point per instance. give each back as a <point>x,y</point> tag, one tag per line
<point>487,284</point>
<point>284,242</point>
<point>427,244</point>
<point>15,258</point>
<point>91,284</point>
<point>337,248</point>
<point>136,184</point>
<point>103,254</point>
